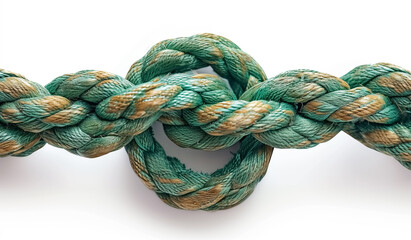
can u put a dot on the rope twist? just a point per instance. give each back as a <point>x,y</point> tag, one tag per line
<point>91,113</point>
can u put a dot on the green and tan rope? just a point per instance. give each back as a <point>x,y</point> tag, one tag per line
<point>92,113</point>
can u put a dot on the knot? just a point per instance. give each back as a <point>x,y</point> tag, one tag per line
<point>91,113</point>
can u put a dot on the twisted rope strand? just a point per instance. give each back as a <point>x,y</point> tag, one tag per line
<point>92,113</point>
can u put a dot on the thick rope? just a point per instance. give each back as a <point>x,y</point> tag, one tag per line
<point>92,113</point>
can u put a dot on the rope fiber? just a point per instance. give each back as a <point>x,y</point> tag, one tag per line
<point>91,113</point>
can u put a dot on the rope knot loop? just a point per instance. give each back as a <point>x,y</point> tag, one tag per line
<point>92,113</point>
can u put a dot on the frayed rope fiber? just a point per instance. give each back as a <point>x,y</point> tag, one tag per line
<point>91,113</point>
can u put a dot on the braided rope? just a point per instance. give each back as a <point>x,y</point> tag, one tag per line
<point>92,113</point>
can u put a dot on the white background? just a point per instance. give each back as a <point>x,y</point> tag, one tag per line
<point>337,190</point>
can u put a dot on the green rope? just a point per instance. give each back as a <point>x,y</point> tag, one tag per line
<point>91,113</point>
